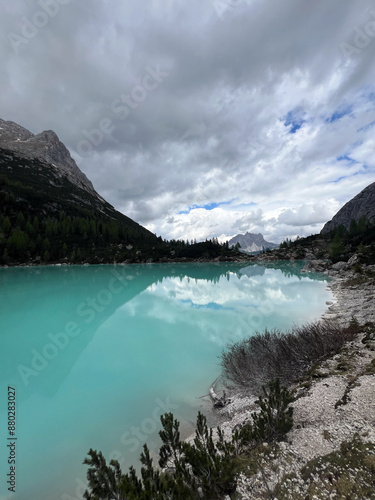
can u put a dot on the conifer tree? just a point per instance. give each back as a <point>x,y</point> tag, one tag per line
<point>275,418</point>
<point>46,256</point>
<point>336,248</point>
<point>5,256</point>
<point>20,220</point>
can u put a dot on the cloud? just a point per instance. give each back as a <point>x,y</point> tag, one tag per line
<point>307,214</point>
<point>258,104</point>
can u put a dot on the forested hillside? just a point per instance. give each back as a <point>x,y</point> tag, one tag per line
<point>45,218</point>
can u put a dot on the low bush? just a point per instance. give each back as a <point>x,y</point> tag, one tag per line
<point>205,469</point>
<point>255,361</point>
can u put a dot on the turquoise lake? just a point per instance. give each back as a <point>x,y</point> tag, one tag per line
<point>97,353</point>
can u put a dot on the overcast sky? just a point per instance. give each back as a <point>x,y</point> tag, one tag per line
<point>202,118</point>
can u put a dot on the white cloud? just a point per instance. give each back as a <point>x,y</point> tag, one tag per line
<point>308,214</point>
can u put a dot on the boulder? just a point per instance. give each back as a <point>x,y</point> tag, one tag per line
<point>339,266</point>
<point>310,256</point>
<point>315,266</point>
<point>354,259</point>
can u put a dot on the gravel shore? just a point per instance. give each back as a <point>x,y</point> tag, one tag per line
<point>337,404</point>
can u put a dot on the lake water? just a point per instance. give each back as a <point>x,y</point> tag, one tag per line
<point>96,354</point>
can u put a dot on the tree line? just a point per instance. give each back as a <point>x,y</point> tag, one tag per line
<point>25,237</point>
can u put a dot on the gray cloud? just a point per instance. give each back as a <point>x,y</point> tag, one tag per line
<point>263,104</point>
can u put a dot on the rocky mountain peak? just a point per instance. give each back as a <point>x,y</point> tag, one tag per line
<point>47,135</point>
<point>45,147</point>
<point>251,242</point>
<point>10,131</point>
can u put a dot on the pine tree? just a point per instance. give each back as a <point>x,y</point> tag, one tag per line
<point>171,450</point>
<point>46,256</point>
<point>46,244</point>
<point>18,243</point>
<point>20,220</point>
<point>353,228</point>
<point>336,248</point>
<point>30,229</point>
<point>212,465</point>
<point>49,229</point>
<point>6,226</point>
<point>5,256</point>
<point>275,418</point>
<point>36,225</point>
<point>271,423</point>
<point>362,224</point>
<point>104,481</point>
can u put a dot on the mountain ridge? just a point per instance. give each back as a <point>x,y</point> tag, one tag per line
<point>45,147</point>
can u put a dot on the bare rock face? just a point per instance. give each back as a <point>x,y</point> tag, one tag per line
<point>10,131</point>
<point>45,147</point>
<point>361,205</point>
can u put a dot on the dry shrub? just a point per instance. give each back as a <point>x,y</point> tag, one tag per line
<point>253,362</point>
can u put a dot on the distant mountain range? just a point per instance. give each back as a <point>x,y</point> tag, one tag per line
<point>251,242</point>
<point>362,205</point>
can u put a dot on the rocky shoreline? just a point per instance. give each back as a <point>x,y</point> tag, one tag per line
<point>336,403</point>
<point>237,258</point>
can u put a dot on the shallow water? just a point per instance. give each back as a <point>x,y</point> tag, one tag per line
<point>97,353</point>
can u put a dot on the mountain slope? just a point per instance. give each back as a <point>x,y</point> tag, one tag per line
<point>251,242</point>
<point>40,188</point>
<point>51,211</point>
<point>361,205</point>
